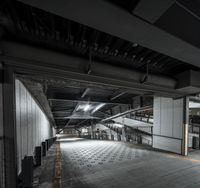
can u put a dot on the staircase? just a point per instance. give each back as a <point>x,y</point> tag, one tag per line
<point>138,124</point>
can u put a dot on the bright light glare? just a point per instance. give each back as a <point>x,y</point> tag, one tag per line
<point>70,139</point>
<point>84,107</point>
<point>98,107</point>
<point>194,105</point>
<point>84,130</point>
<point>87,107</point>
<point>118,125</point>
<point>58,135</point>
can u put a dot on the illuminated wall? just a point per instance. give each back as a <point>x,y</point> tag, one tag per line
<point>32,125</point>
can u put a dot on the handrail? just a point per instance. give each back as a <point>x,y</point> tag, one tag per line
<point>141,120</point>
<point>127,112</point>
<point>117,130</point>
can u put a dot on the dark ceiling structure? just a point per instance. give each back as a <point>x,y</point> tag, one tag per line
<point>69,102</point>
<point>37,27</point>
<point>66,101</point>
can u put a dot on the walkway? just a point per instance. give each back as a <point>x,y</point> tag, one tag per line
<point>106,164</point>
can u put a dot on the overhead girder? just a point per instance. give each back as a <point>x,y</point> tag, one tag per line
<point>113,20</point>
<point>77,105</point>
<point>117,95</point>
<point>46,63</point>
<point>67,98</point>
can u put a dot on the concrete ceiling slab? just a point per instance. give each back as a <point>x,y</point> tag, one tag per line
<point>108,18</point>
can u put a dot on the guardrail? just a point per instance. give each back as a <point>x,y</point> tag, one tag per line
<point>127,112</point>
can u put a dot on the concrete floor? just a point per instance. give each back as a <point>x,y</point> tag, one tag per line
<point>93,164</point>
<point>45,174</point>
<point>194,154</point>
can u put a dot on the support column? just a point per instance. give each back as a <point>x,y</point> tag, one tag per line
<point>169,127</point>
<point>123,134</point>
<point>10,163</point>
<point>2,173</point>
<point>185,126</point>
<point>92,131</point>
<point>123,131</point>
<point>2,162</point>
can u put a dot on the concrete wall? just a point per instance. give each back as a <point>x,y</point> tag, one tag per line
<point>32,126</point>
<point>168,124</point>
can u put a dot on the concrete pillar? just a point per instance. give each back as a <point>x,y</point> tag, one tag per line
<point>93,127</point>
<point>9,134</point>
<point>185,126</point>
<point>136,102</point>
<point>123,131</point>
<point>2,183</point>
<point>169,127</point>
<point>123,134</point>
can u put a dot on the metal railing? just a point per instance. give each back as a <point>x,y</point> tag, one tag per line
<point>127,112</point>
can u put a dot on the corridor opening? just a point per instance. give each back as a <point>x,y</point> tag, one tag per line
<point>194,127</point>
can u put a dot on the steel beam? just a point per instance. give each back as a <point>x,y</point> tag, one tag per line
<point>117,96</point>
<point>111,19</point>
<point>76,117</point>
<point>90,100</point>
<point>10,144</point>
<point>46,63</point>
<point>85,92</point>
<point>146,9</point>
<point>70,118</point>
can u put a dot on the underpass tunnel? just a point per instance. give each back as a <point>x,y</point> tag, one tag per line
<point>65,126</point>
<point>85,119</point>
<point>194,129</point>
<point>72,111</point>
<point>99,93</point>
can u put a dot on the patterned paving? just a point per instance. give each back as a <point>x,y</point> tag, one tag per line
<point>107,164</point>
<point>80,157</point>
<point>87,153</point>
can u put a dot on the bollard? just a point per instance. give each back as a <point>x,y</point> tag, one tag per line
<point>195,142</point>
<point>44,149</point>
<point>27,171</point>
<point>47,144</point>
<point>38,155</point>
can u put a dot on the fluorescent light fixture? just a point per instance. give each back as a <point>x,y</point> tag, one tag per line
<point>194,105</point>
<point>98,107</point>
<point>78,108</point>
<point>86,108</point>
